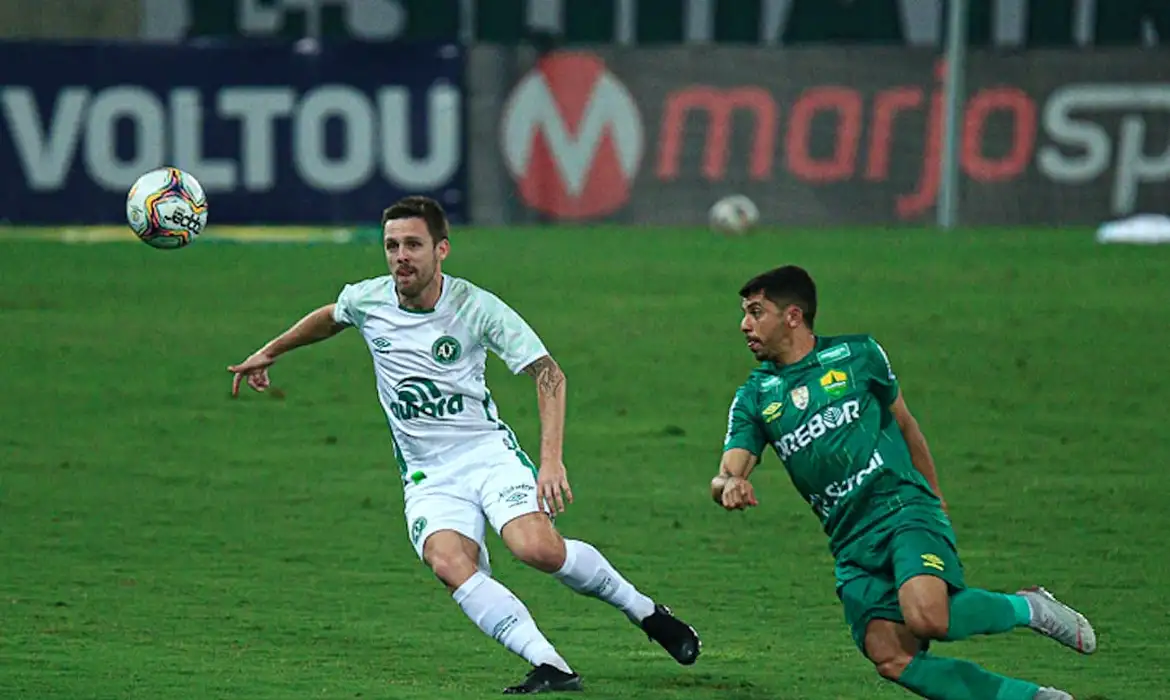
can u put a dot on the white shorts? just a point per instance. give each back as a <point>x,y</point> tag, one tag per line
<point>489,484</point>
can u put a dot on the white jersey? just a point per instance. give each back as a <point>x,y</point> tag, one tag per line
<point>429,365</point>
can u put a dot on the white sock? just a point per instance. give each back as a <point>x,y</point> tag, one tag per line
<point>502,616</point>
<point>587,572</point>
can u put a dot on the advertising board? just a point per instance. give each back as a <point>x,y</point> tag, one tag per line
<point>274,134</point>
<point>844,135</point>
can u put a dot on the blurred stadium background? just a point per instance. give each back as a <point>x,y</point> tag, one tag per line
<point>158,540</point>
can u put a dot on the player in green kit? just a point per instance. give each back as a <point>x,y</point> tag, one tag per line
<point>832,410</point>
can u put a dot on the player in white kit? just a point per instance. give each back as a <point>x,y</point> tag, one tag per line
<point>461,466</point>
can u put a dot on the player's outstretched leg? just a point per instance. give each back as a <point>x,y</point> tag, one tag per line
<point>578,565</point>
<point>897,655</point>
<point>497,612</point>
<point>927,569</point>
<point>974,611</point>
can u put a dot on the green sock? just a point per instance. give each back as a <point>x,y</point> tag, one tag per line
<point>975,611</point>
<point>939,678</point>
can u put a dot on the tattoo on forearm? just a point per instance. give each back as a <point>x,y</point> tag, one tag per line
<point>549,377</point>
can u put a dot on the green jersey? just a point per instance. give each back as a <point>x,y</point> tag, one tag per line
<point>828,418</point>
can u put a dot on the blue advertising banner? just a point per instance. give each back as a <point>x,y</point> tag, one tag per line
<point>277,134</point>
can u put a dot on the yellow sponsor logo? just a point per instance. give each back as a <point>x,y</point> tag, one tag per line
<point>933,561</point>
<point>835,382</point>
<point>833,376</point>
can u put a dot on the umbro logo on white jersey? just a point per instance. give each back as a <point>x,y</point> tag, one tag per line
<point>381,344</point>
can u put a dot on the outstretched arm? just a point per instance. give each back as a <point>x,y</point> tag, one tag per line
<point>919,451</point>
<point>315,326</point>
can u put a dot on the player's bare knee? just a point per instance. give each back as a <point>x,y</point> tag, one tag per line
<point>544,553</point>
<point>926,607</point>
<point>533,540</point>
<point>930,627</point>
<point>452,568</point>
<point>892,668</point>
<point>928,621</point>
<point>888,656</point>
<point>890,646</point>
<point>451,558</point>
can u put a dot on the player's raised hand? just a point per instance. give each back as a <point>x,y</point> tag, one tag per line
<point>552,487</point>
<point>254,369</point>
<point>738,494</point>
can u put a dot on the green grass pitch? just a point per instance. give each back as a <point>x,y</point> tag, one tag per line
<point>159,541</point>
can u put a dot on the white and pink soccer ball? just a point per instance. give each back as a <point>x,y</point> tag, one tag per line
<point>167,208</point>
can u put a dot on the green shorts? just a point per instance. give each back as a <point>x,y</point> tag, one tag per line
<point>871,569</point>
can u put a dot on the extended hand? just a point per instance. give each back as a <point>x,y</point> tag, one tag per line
<point>738,494</point>
<point>551,481</point>
<point>255,368</point>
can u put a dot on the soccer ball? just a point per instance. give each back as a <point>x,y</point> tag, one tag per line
<point>166,208</point>
<point>733,214</point>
